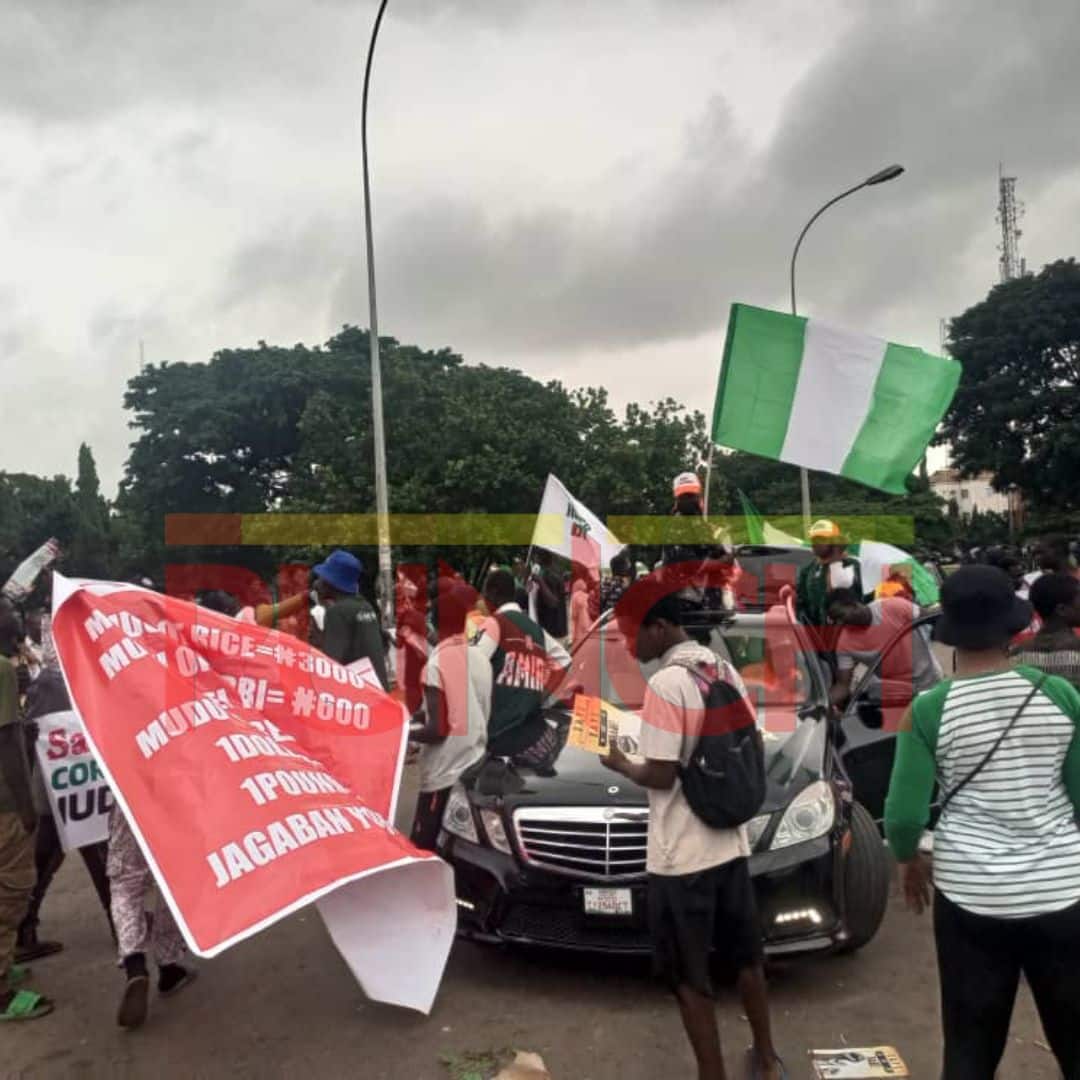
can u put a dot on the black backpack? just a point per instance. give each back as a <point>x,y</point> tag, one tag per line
<point>724,781</point>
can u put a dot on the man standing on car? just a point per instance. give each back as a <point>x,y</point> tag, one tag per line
<point>831,569</point>
<point>351,630</point>
<point>527,662</point>
<point>698,555</point>
<point>700,896</point>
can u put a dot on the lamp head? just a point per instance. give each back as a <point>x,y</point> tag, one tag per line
<point>889,173</point>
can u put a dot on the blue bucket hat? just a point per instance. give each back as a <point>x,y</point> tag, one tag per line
<point>342,571</point>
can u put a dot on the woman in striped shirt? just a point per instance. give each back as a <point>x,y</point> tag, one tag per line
<point>1002,743</point>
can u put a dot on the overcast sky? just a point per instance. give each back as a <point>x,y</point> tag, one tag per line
<point>579,189</point>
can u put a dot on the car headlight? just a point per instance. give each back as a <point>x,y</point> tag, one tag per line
<point>458,816</point>
<point>496,834</point>
<point>809,815</point>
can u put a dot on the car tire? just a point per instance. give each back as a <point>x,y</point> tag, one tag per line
<point>867,872</point>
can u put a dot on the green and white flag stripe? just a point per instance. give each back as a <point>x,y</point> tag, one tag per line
<point>802,391</point>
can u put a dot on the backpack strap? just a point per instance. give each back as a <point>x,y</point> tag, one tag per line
<point>705,684</point>
<point>993,749</point>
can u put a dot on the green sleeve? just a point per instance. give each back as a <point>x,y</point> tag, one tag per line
<point>907,807</point>
<point>1071,770</point>
<point>1066,697</point>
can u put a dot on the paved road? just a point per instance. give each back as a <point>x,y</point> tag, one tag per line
<point>284,1005</point>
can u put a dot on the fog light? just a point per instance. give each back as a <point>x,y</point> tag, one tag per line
<point>810,915</point>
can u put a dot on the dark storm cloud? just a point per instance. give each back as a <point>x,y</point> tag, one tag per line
<point>193,169</point>
<point>70,62</point>
<point>947,89</point>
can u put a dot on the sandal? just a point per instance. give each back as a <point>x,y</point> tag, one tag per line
<point>16,976</point>
<point>26,1005</point>
<point>133,1005</point>
<point>37,950</point>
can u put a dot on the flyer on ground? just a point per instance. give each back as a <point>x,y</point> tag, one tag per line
<point>258,776</point>
<point>858,1063</point>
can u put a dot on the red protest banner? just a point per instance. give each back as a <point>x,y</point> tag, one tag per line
<point>257,774</point>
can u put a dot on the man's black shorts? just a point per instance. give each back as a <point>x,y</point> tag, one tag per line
<point>691,915</point>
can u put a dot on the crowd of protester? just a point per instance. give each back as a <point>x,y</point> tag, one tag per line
<point>996,739</point>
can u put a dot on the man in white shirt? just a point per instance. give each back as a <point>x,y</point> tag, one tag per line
<point>454,719</point>
<point>700,895</point>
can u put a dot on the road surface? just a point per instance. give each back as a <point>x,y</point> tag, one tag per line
<point>284,1005</point>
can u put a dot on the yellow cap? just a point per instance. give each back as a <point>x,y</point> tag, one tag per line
<point>825,530</point>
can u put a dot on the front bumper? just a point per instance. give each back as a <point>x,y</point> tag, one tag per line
<point>501,901</point>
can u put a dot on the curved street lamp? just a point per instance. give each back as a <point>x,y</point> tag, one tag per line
<point>382,499</point>
<point>891,172</point>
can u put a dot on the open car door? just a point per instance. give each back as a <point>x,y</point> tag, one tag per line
<point>872,718</point>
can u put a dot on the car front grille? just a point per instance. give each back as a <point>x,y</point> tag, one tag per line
<point>602,843</point>
<point>562,928</point>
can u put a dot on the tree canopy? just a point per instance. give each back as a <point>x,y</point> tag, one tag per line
<point>35,508</point>
<point>290,429</point>
<point>1017,410</point>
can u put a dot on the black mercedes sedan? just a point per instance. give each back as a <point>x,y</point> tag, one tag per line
<point>558,860</point>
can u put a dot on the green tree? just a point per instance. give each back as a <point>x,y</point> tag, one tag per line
<point>290,429</point>
<point>1017,411</point>
<point>89,554</point>
<point>32,509</point>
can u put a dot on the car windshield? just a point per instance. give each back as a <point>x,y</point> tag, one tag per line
<point>771,663</point>
<point>767,654</point>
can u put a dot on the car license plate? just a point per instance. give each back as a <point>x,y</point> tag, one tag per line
<point>609,902</point>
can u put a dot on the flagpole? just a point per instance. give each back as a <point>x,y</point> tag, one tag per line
<point>708,477</point>
<point>382,499</point>
<point>891,172</point>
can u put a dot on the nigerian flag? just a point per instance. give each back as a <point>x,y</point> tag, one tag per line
<point>802,391</point>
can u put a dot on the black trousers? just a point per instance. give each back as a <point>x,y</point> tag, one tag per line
<point>48,857</point>
<point>428,820</point>
<point>980,959</point>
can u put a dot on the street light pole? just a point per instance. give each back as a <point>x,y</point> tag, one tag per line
<point>889,173</point>
<point>382,499</point>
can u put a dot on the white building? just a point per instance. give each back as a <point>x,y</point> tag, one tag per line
<point>969,493</point>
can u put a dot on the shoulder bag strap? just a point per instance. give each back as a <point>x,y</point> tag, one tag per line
<point>993,749</point>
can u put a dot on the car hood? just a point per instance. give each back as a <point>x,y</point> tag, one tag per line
<point>793,760</point>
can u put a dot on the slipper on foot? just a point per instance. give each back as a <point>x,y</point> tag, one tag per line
<point>26,1005</point>
<point>134,1003</point>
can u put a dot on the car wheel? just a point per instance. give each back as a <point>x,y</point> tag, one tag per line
<point>866,880</point>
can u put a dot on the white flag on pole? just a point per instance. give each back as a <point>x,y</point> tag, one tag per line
<point>569,528</point>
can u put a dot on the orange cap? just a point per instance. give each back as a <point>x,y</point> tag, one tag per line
<point>686,483</point>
